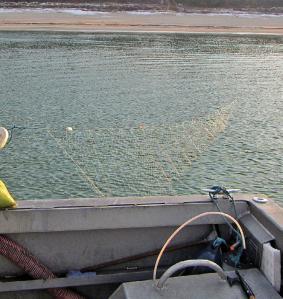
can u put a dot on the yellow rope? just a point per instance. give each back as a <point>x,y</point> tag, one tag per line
<point>83,174</point>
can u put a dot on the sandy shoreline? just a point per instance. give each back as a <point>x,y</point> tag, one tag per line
<point>122,21</point>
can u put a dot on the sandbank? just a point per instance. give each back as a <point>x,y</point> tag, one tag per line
<point>26,20</point>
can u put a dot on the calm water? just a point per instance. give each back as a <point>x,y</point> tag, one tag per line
<point>127,94</point>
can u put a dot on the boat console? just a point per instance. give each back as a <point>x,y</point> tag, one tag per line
<point>200,286</point>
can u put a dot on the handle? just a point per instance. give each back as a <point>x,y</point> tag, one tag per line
<point>190,263</point>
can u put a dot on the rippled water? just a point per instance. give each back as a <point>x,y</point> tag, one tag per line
<point>140,103</point>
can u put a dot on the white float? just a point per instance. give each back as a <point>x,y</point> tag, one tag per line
<point>4,136</point>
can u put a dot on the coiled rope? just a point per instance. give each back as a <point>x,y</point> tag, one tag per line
<point>22,258</point>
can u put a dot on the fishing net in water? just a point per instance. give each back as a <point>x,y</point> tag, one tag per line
<point>144,160</point>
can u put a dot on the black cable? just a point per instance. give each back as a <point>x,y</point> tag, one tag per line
<point>221,190</point>
<point>226,192</point>
<point>11,131</point>
<point>212,195</point>
<point>227,222</point>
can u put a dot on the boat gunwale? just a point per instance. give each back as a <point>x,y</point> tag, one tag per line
<point>119,201</point>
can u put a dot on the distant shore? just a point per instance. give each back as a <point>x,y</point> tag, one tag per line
<point>76,20</point>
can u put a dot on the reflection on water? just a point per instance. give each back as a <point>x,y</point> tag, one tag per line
<point>117,83</point>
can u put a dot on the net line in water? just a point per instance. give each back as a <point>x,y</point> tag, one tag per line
<point>132,161</point>
<point>143,160</point>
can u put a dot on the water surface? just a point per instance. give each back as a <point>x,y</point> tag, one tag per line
<point>134,101</point>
